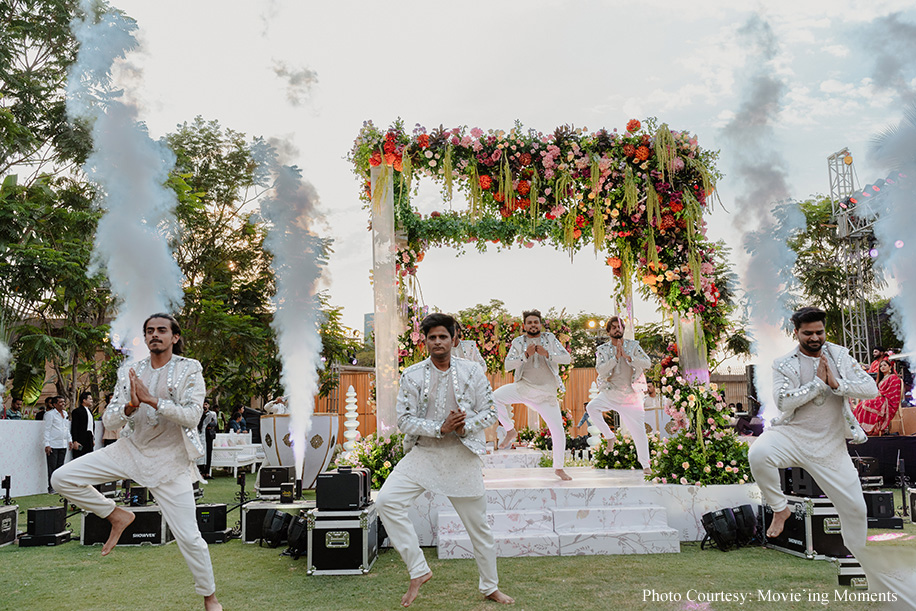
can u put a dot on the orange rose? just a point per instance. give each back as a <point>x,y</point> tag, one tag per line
<point>614,262</point>
<point>498,196</point>
<point>642,153</point>
<point>423,140</point>
<point>629,150</point>
<point>485,182</point>
<point>376,158</point>
<point>633,125</point>
<point>524,187</point>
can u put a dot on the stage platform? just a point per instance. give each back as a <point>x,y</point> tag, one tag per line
<point>519,458</point>
<point>534,513</point>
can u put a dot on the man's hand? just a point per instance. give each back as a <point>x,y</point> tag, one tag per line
<point>540,350</point>
<point>829,379</point>
<point>531,350</point>
<point>138,388</point>
<point>453,422</point>
<point>621,355</point>
<point>48,450</point>
<point>74,445</point>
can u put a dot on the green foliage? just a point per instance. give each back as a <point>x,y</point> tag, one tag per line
<point>623,453</point>
<point>721,460</point>
<point>379,455</point>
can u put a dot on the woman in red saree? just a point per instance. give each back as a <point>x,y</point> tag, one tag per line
<point>875,415</point>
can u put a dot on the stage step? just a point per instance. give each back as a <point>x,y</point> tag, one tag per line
<point>567,531</point>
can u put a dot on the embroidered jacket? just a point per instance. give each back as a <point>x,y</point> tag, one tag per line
<point>557,356</point>
<point>468,350</point>
<point>472,393</point>
<point>790,393</point>
<point>184,405</point>
<point>606,361</point>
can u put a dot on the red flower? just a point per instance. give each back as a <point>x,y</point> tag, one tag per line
<point>485,182</point>
<point>676,206</point>
<point>524,187</point>
<point>376,158</point>
<point>525,159</point>
<point>389,146</point>
<point>498,196</point>
<point>398,163</point>
<point>580,221</point>
<point>614,262</point>
<point>577,233</point>
<point>434,214</point>
<point>521,204</point>
<point>642,153</point>
<point>503,210</point>
<point>629,150</point>
<point>633,125</point>
<point>389,158</point>
<point>423,140</point>
<point>618,272</point>
<point>667,221</point>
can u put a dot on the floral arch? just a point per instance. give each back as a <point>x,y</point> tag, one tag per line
<point>638,196</point>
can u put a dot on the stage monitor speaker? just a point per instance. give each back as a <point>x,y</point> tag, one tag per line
<point>879,504</point>
<point>867,466</point>
<point>803,484</point>
<point>785,480</point>
<point>46,520</point>
<point>9,521</point>
<point>211,518</point>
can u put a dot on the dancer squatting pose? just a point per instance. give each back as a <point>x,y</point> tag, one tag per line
<point>160,400</point>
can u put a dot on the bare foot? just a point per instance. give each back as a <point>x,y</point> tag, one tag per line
<point>413,590</point>
<point>647,471</point>
<point>610,443</point>
<point>211,604</point>
<point>501,598</point>
<point>563,475</point>
<point>779,520</point>
<point>120,519</point>
<point>508,439</point>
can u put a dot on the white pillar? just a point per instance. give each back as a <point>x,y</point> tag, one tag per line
<point>385,288</point>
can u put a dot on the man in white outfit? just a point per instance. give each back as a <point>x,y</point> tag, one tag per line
<point>535,357</point>
<point>160,401</point>
<point>620,364</point>
<point>443,407</point>
<point>812,385</point>
<point>467,349</point>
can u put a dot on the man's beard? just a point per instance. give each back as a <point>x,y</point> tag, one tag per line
<point>617,335</point>
<point>533,333</point>
<point>814,349</point>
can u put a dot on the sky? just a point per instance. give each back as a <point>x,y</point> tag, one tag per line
<point>309,74</point>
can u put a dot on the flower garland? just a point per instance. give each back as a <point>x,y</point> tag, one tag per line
<point>639,195</point>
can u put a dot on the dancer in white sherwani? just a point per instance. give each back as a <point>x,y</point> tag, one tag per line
<point>443,407</point>
<point>468,350</point>
<point>160,400</point>
<point>620,364</point>
<point>812,385</point>
<point>535,358</point>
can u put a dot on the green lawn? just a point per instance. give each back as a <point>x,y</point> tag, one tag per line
<point>75,577</point>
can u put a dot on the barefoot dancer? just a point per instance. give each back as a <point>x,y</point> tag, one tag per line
<point>535,358</point>
<point>443,407</point>
<point>620,362</point>
<point>160,401</point>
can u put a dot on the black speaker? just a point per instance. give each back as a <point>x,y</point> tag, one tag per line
<point>9,520</point>
<point>804,485</point>
<point>345,489</point>
<point>273,477</point>
<point>866,466</point>
<point>721,528</point>
<point>211,518</point>
<point>879,504</point>
<point>138,496</point>
<point>46,520</point>
<point>745,524</point>
<point>276,527</point>
<point>785,481</point>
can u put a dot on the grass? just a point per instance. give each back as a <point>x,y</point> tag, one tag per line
<point>75,577</point>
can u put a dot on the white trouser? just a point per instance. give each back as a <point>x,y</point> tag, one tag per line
<point>176,499</point>
<point>395,498</point>
<point>544,404</point>
<point>631,413</point>
<point>840,482</point>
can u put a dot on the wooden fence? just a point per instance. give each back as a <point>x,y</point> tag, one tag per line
<point>574,401</point>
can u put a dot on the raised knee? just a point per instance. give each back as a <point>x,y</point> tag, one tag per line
<point>58,481</point>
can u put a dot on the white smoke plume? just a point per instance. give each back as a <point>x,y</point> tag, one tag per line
<point>892,43</point>
<point>299,258</point>
<point>895,223</point>
<point>761,176</point>
<point>299,82</point>
<point>129,170</point>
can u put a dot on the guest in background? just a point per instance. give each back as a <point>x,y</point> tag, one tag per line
<point>879,354</point>
<point>279,405</point>
<point>57,437</point>
<point>238,424</point>
<point>40,414</point>
<point>467,349</point>
<point>82,425</point>
<point>207,429</point>
<point>109,435</point>
<point>14,411</point>
<point>875,415</point>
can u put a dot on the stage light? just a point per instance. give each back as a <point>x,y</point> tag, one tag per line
<point>847,159</point>
<point>591,324</point>
<point>873,253</point>
<point>899,243</point>
<point>853,201</point>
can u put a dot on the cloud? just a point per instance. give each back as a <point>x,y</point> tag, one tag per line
<point>892,44</point>
<point>299,82</point>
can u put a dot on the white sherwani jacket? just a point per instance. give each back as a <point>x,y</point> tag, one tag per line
<point>606,362</point>
<point>183,406</point>
<point>790,393</point>
<point>472,393</point>
<point>558,355</point>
